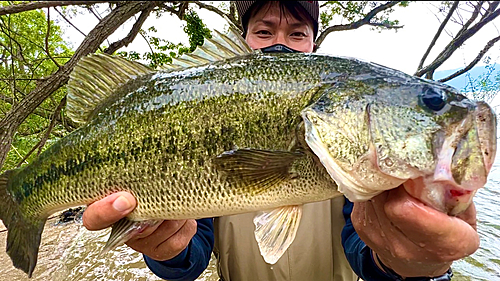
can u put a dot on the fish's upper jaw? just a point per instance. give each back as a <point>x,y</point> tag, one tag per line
<point>467,153</point>
<point>464,158</point>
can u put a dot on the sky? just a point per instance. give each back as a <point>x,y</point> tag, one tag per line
<point>400,49</point>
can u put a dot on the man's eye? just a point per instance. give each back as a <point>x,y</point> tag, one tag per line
<point>298,34</point>
<point>263,32</point>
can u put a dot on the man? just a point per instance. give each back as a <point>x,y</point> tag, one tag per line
<point>400,236</point>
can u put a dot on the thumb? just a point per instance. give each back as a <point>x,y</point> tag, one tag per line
<point>105,212</point>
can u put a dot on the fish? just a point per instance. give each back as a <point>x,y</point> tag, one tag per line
<point>228,130</point>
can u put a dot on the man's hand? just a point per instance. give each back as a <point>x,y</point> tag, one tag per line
<point>411,238</point>
<point>161,242</point>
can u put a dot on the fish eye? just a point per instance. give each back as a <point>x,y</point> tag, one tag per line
<point>433,100</point>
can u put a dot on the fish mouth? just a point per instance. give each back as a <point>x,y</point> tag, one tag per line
<point>445,196</point>
<point>443,166</point>
<point>462,164</point>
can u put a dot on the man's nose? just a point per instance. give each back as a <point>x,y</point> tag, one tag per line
<point>280,39</point>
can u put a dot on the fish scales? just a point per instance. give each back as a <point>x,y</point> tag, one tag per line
<point>252,132</point>
<point>158,141</point>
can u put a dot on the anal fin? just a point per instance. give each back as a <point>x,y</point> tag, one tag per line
<point>275,231</point>
<point>123,230</point>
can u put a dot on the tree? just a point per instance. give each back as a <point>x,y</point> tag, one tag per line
<point>471,16</point>
<point>32,49</point>
<point>34,108</point>
<point>19,111</point>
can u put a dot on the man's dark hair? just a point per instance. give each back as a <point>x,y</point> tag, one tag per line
<point>294,8</point>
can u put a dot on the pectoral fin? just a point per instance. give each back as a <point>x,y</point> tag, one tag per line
<point>123,230</point>
<point>276,230</point>
<point>253,167</point>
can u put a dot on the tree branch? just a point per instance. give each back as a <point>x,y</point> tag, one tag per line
<point>455,44</point>
<point>51,125</point>
<point>42,113</point>
<point>180,12</point>
<point>364,21</point>
<point>475,13</point>
<point>18,8</point>
<point>438,33</point>
<point>211,8</point>
<point>7,99</point>
<point>47,34</point>
<point>108,25</point>
<point>98,17</point>
<point>474,62</point>
<point>381,24</point>
<point>132,34</point>
<point>18,55</point>
<point>68,21</point>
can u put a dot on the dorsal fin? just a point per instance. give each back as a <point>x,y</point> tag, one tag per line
<point>94,81</point>
<point>217,48</point>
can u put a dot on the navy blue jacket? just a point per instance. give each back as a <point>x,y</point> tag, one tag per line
<point>190,263</point>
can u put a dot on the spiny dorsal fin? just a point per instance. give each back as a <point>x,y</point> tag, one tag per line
<point>94,80</point>
<point>217,48</point>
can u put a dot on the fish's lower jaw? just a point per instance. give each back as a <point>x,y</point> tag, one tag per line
<point>458,201</point>
<point>430,195</point>
<point>444,196</point>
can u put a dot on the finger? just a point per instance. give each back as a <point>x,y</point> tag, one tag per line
<point>392,244</point>
<point>469,216</point>
<point>167,241</point>
<point>146,231</point>
<point>377,232</point>
<point>451,237</point>
<point>411,213</point>
<point>358,215</point>
<point>396,244</point>
<point>159,232</point>
<point>165,231</point>
<point>179,240</point>
<point>105,212</point>
<point>368,228</point>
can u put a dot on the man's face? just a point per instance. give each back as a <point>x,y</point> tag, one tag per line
<point>269,27</point>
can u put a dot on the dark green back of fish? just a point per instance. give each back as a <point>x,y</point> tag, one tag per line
<point>219,139</point>
<point>167,127</point>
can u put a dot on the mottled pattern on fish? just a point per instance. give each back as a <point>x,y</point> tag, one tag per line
<point>239,131</point>
<point>159,141</point>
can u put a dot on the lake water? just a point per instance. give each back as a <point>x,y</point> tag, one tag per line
<point>70,252</point>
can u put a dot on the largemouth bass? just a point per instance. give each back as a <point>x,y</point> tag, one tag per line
<point>229,130</point>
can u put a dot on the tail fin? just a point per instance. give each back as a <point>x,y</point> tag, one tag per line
<point>24,234</point>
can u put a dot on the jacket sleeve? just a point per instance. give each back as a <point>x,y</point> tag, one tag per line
<point>357,253</point>
<point>191,262</point>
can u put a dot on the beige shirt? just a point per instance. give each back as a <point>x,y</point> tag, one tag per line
<point>316,254</point>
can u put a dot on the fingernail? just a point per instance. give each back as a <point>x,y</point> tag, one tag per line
<point>121,204</point>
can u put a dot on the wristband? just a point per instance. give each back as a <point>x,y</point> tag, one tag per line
<point>394,276</point>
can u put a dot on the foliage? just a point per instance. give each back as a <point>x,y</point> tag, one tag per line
<point>28,55</point>
<point>352,11</point>
<point>486,86</point>
<point>31,49</point>
<point>163,51</point>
